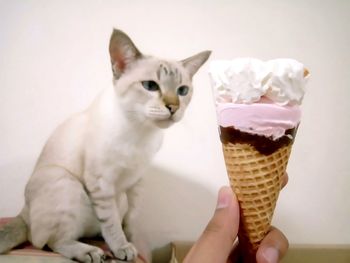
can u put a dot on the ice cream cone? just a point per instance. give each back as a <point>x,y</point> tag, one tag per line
<point>256,179</point>
<point>258,113</point>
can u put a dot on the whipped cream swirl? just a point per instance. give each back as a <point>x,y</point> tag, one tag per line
<point>247,80</point>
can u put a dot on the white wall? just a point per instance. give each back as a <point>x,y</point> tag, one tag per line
<point>54,60</point>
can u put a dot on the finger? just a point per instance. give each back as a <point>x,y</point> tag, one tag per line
<point>285,179</point>
<point>216,242</point>
<point>273,247</point>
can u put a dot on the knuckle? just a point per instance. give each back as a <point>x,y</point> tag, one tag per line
<point>213,228</point>
<point>217,229</point>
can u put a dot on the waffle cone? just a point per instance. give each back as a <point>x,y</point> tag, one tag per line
<point>256,180</point>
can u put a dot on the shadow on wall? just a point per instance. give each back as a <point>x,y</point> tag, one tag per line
<point>174,208</point>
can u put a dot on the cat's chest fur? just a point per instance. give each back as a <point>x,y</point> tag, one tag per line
<point>128,154</point>
<point>132,148</point>
<point>118,145</point>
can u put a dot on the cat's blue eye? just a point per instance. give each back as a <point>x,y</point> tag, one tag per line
<point>183,90</point>
<point>150,85</point>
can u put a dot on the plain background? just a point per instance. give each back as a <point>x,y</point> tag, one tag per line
<point>54,61</point>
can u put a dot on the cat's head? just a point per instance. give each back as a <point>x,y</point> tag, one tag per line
<point>151,89</point>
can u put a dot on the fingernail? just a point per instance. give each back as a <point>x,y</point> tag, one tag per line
<point>224,198</point>
<point>271,255</point>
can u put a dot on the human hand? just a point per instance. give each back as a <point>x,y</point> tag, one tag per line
<point>216,243</point>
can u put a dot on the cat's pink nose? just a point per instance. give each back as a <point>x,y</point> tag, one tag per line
<point>172,108</point>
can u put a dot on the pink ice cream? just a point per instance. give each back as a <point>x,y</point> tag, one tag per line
<point>261,118</point>
<point>259,97</point>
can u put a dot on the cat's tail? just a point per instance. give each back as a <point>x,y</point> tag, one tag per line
<point>12,234</point>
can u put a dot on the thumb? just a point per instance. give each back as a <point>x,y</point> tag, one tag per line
<point>215,244</point>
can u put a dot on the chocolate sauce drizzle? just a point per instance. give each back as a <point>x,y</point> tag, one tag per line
<point>264,145</point>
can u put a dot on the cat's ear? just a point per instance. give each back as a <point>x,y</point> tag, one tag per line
<point>192,64</point>
<point>123,52</point>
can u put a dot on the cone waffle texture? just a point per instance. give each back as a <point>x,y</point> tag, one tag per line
<point>256,180</point>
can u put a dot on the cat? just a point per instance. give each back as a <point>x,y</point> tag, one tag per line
<point>87,178</point>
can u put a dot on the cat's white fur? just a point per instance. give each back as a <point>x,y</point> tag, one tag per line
<point>87,177</point>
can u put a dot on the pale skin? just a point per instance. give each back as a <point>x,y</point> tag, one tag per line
<point>216,244</point>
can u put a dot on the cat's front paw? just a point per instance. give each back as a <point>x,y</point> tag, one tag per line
<point>127,252</point>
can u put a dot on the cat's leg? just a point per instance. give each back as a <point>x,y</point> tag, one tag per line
<point>103,197</point>
<point>131,227</point>
<point>60,213</point>
<point>133,197</point>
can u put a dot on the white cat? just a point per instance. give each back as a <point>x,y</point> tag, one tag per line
<point>96,158</point>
